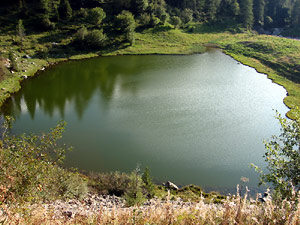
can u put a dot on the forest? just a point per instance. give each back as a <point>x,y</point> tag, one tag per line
<point>250,14</point>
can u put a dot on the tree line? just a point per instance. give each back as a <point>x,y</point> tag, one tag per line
<point>250,13</point>
<point>101,19</point>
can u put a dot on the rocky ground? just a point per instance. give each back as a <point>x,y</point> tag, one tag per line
<point>94,204</point>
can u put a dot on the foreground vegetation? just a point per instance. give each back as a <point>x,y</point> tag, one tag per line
<point>237,210</point>
<point>31,172</point>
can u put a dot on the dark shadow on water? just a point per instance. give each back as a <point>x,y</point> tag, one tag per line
<point>76,82</point>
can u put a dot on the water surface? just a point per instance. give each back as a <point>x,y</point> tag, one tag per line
<point>195,119</point>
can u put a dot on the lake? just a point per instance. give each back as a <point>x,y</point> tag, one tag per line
<point>197,119</point>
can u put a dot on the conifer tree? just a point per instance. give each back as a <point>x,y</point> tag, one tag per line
<point>210,9</point>
<point>246,7</point>
<point>65,10</point>
<point>296,14</point>
<point>259,12</point>
<point>20,30</point>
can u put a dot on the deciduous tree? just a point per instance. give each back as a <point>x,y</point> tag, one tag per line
<point>283,158</point>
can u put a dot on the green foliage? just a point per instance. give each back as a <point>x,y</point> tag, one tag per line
<point>296,14</point>
<point>148,184</point>
<point>283,158</point>
<point>126,24</point>
<point>186,16</point>
<point>247,18</point>
<point>210,10</point>
<point>89,39</point>
<point>154,21</point>
<point>13,62</point>
<point>113,183</point>
<point>259,11</point>
<point>133,187</point>
<point>30,168</point>
<point>228,10</point>
<point>134,193</point>
<point>20,30</point>
<point>81,35</point>
<point>144,20</point>
<point>141,5</point>
<point>175,21</point>
<point>96,16</point>
<point>95,39</point>
<point>65,10</point>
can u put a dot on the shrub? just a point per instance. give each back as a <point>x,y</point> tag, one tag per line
<point>134,193</point>
<point>89,39</point>
<point>79,37</point>
<point>283,158</point>
<point>30,168</point>
<point>144,19</point>
<point>95,16</point>
<point>148,184</point>
<point>113,183</point>
<point>95,38</point>
<point>13,62</point>
<point>82,12</point>
<point>4,72</point>
<point>154,21</point>
<point>20,30</point>
<point>126,24</point>
<point>175,21</point>
<point>187,15</point>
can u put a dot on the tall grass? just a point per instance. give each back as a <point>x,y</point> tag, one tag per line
<point>233,210</point>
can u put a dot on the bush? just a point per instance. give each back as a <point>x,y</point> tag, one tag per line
<point>175,21</point>
<point>144,20</point>
<point>134,192</point>
<point>283,159</point>
<point>30,168</point>
<point>154,21</point>
<point>79,37</point>
<point>95,16</point>
<point>82,12</point>
<point>4,72</point>
<point>95,38</point>
<point>126,24</point>
<point>20,30</point>
<point>133,187</point>
<point>114,183</point>
<point>13,62</point>
<point>187,15</point>
<point>89,39</point>
<point>148,185</point>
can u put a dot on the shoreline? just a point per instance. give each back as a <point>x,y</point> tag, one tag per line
<point>49,64</point>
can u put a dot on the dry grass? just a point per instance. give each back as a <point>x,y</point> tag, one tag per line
<point>234,210</point>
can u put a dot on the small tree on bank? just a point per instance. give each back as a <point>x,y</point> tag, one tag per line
<point>283,158</point>
<point>126,24</point>
<point>20,30</point>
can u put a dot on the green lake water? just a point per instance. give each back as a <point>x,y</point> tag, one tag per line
<point>195,119</point>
